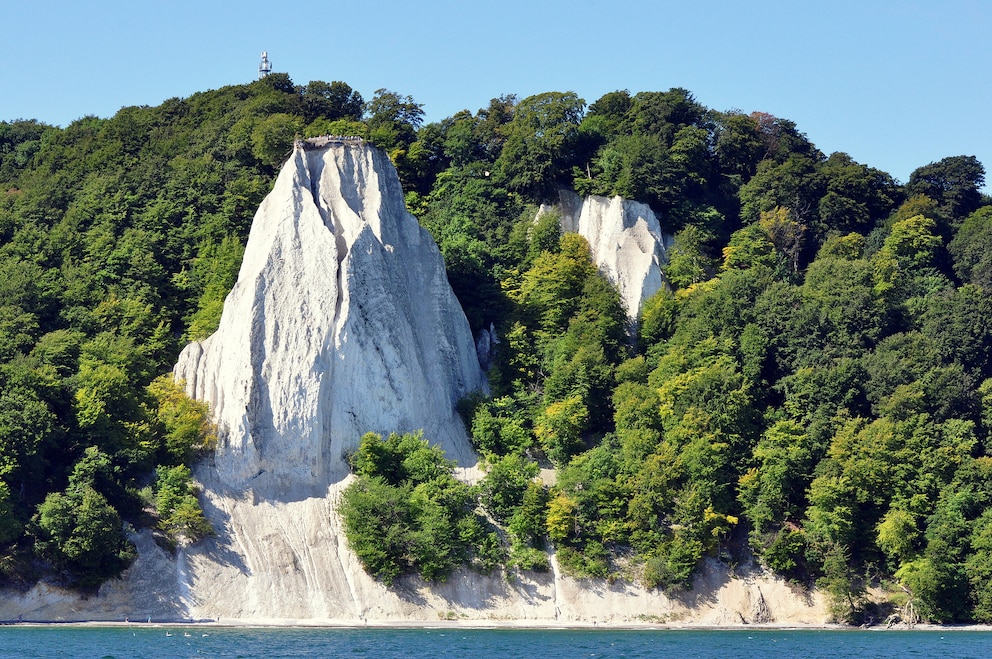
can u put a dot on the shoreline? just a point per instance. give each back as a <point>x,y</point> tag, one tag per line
<point>504,625</point>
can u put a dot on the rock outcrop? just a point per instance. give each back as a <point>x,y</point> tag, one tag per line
<point>341,322</point>
<point>626,242</point>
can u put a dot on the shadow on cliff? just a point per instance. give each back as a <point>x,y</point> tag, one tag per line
<point>219,548</point>
<point>151,584</point>
<point>469,590</point>
<point>706,587</point>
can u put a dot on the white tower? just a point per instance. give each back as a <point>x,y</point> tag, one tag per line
<point>265,67</point>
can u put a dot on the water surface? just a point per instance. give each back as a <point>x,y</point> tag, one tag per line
<point>201,641</point>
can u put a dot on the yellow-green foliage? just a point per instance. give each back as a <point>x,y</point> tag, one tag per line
<point>186,426</point>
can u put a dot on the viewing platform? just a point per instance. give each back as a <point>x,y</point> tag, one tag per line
<point>324,141</point>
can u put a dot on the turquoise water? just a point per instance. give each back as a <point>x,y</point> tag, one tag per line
<point>152,641</point>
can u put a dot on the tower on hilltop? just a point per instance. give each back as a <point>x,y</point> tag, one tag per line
<point>265,67</point>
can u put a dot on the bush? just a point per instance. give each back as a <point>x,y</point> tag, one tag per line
<point>672,567</point>
<point>502,490</point>
<point>180,515</point>
<point>523,557</point>
<point>589,561</point>
<point>406,513</point>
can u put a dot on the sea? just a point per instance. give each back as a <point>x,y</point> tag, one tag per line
<point>139,641</point>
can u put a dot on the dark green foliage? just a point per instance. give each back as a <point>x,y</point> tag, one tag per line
<point>738,147</point>
<point>591,561</point>
<point>393,120</point>
<point>115,234</point>
<point>333,101</point>
<point>78,530</point>
<point>688,262</point>
<point>539,143</point>
<point>272,138</point>
<point>856,197</point>
<point>407,514</point>
<point>786,553</point>
<point>795,184</point>
<point>674,564</point>
<point>953,182</point>
<point>378,517</point>
<point>507,480</point>
<point>971,249</point>
<point>653,147</point>
<point>80,533</point>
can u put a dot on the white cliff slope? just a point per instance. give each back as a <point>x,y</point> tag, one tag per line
<point>626,242</point>
<point>341,322</point>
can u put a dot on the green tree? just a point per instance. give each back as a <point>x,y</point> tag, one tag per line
<point>559,429</point>
<point>81,534</point>
<point>971,249</point>
<point>503,488</point>
<point>795,184</point>
<point>536,155</point>
<point>378,520</point>
<point>909,247</point>
<point>333,101</point>
<point>773,492</point>
<point>406,513</point>
<point>954,182</point>
<point>185,422</point>
<point>979,566</point>
<point>26,424</point>
<point>749,247</point>
<point>738,147</point>
<point>393,120</point>
<point>272,138</point>
<point>179,512</point>
<point>856,197</point>
<point>688,261</point>
<point>215,270</point>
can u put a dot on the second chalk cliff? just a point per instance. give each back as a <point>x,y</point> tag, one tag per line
<point>625,240</point>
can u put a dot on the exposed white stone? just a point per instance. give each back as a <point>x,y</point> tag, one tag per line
<point>626,242</point>
<point>486,341</point>
<point>341,322</point>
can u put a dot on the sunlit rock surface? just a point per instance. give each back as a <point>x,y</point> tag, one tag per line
<point>626,242</point>
<point>341,322</point>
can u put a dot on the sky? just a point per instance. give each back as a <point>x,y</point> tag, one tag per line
<point>895,84</point>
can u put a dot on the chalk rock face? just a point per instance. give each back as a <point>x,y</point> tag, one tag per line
<point>626,241</point>
<point>341,322</point>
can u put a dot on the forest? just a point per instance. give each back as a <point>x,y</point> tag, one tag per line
<point>812,391</point>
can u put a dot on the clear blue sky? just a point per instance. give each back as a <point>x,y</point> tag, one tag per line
<point>896,84</point>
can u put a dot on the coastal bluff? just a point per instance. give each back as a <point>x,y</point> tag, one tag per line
<point>342,322</point>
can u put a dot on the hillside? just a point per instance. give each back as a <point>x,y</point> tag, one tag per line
<point>811,387</point>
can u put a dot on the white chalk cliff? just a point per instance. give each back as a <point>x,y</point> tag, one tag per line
<point>342,321</point>
<point>626,242</point>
